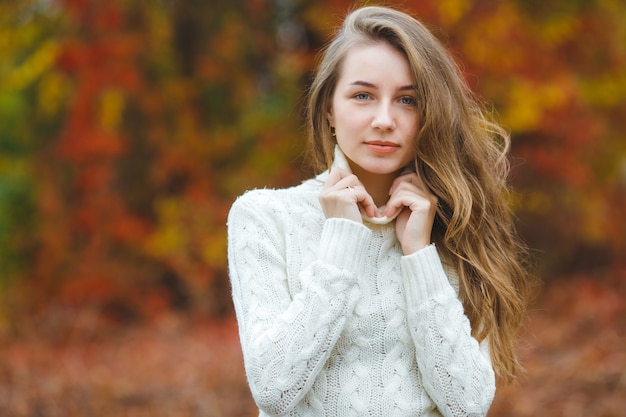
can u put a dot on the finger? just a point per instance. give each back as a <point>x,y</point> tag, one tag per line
<point>411,196</point>
<point>367,202</point>
<point>396,204</point>
<point>428,193</point>
<point>415,180</point>
<point>359,194</point>
<point>410,178</point>
<point>402,188</point>
<point>344,186</point>
<point>335,177</point>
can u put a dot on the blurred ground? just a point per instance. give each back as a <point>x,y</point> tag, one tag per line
<point>67,365</point>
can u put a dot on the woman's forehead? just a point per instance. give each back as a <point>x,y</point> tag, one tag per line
<point>374,64</point>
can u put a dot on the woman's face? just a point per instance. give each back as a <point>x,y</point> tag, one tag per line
<point>374,109</point>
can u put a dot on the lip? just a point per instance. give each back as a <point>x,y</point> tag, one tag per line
<point>380,146</point>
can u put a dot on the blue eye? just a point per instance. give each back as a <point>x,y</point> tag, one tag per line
<point>362,96</point>
<point>407,100</point>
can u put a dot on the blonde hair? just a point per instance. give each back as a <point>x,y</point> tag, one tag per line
<point>462,157</point>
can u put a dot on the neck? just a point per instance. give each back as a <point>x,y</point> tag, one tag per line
<point>377,185</point>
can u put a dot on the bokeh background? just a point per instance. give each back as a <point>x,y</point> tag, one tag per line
<point>128,127</point>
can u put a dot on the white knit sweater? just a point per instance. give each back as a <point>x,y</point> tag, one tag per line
<point>335,321</point>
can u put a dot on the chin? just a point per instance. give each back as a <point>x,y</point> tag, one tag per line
<point>383,170</point>
<point>380,166</point>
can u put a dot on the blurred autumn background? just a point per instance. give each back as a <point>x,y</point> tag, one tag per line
<point>128,127</point>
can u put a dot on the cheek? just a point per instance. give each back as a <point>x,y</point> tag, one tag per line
<point>345,121</point>
<point>414,121</point>
<point>353,119</point>
<point>413,127</point>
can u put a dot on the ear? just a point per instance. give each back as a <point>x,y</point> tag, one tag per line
<point>329,116</point>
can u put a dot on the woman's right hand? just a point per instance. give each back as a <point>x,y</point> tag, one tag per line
<point>341,195</point>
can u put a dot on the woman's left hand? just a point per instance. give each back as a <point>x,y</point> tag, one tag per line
<point>419,206</point>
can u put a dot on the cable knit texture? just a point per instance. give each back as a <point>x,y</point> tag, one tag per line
<point>335,321</point>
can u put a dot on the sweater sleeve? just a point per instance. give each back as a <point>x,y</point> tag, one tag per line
<point>287,338</point>
<point>456,371</point>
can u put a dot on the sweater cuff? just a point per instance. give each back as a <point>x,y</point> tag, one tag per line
<point>424,277</point>
<point>344,243</point>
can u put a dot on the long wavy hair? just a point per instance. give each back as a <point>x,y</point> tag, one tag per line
<point>461,155</point>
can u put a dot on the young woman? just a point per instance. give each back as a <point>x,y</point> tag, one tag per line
<point>390,284</point>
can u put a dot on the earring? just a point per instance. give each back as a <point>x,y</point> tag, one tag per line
<point>332,132</point>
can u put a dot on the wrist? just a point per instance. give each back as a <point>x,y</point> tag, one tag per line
<point>409,248</point>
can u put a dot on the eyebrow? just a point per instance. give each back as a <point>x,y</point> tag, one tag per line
<point>370,85</point>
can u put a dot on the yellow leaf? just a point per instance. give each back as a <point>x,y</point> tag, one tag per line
<point>53,88</point>
<point>39,62</point>
<point>214,251</point>
<point>452,10</point>
<point>111,107</point>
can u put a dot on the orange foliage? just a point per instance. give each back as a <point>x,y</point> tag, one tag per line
<point>130,127</point>
<point>153,118</point>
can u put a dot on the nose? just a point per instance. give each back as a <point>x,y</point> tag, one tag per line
<point>384,118</point>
